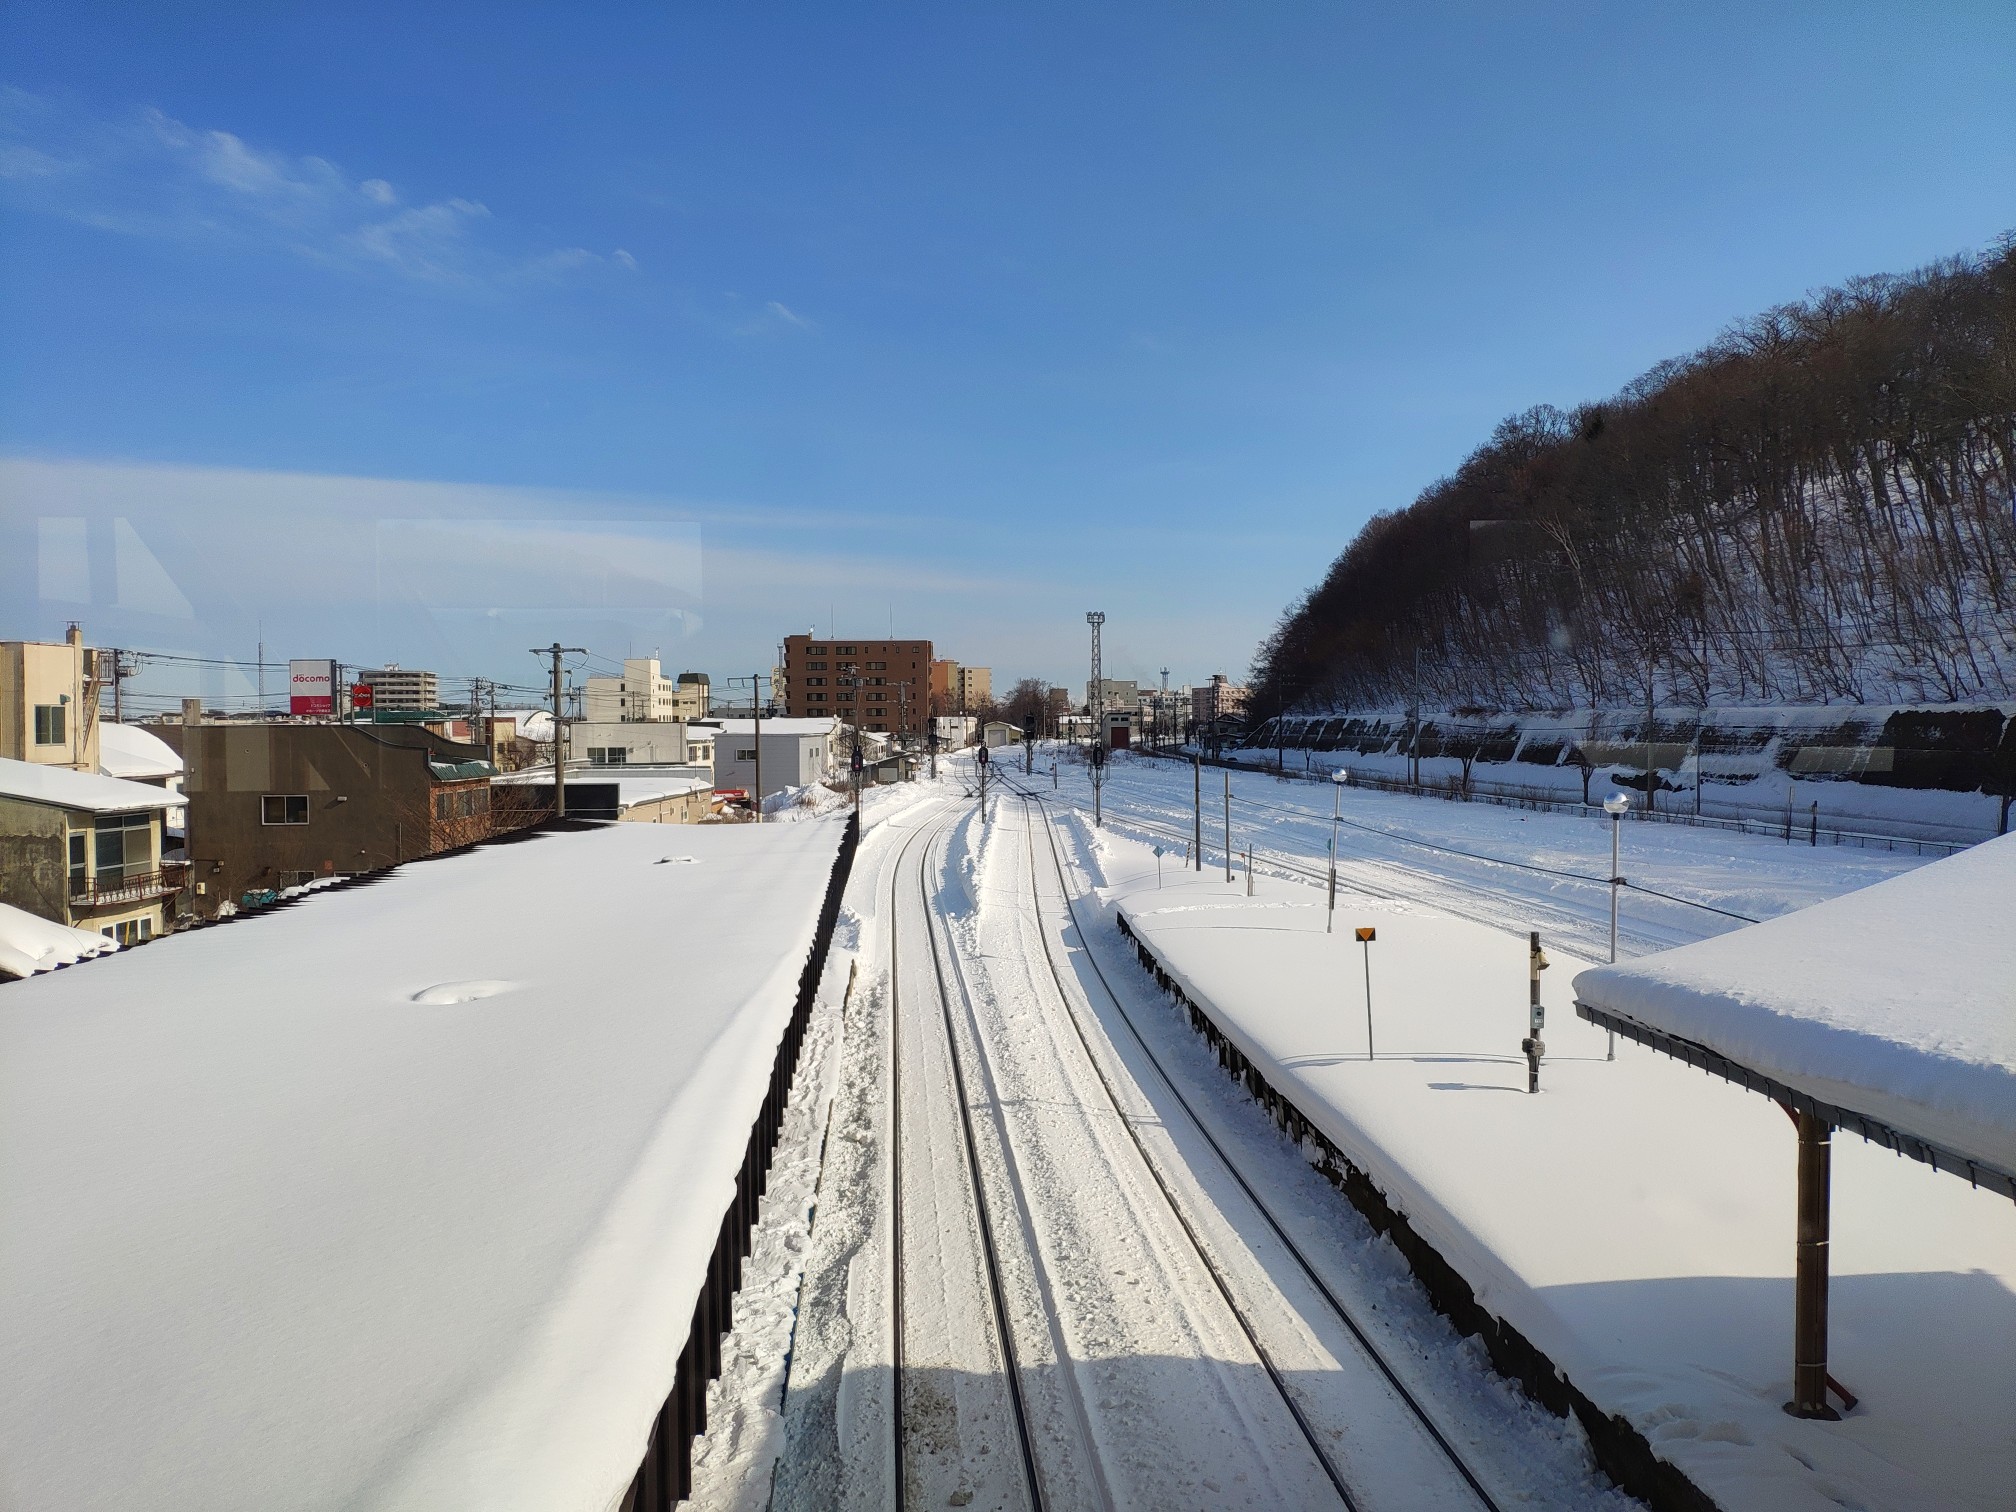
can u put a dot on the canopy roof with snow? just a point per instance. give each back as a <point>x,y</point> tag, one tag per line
<point>1894,1006</point>
<point>87,792</point>
<point>137,754</point>
<point>399,1197</point>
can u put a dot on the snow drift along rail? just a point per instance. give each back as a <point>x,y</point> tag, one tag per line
<point>666,1475</point>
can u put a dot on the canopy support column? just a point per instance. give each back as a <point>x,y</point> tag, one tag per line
<point>1809,1306</point>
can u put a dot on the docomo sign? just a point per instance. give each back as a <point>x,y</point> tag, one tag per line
<point>312,687</point>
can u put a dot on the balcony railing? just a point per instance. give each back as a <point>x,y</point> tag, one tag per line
<point>134,887</point>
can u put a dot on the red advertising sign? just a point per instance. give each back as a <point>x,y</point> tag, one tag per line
<point>311,688</point>
<point>360,695</point>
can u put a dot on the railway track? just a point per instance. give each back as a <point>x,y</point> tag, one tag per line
<point>1371,1355</point>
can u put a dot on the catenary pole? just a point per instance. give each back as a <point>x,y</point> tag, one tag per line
<point>556,651</point>
<point>1197,807</point>
<point>1228,824</point>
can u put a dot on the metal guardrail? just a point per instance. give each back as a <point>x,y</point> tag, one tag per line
<point>137,888</point>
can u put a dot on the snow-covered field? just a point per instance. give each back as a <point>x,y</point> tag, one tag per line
<point>1511,868</point>
<point>1634,1220</point>
<point>400,1197</point>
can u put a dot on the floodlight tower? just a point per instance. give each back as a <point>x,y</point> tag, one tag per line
<point>1097,708</point>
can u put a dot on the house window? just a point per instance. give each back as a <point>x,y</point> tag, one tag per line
<point>130,931</point>
<point>608,755</point>
<point>843,650</point>
<point>880,666</point>
<point>748,754</point>
<point>50,724</point>
<point>815,682</point>
<point>124,846</point>
<point>283,808</point>
<point>815,666</point>
<point>815,698</point>
<point>815,650</point>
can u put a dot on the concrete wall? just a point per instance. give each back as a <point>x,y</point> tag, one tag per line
<point>34,859</point>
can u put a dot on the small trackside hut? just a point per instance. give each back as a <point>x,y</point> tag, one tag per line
<point>1886,1013</point>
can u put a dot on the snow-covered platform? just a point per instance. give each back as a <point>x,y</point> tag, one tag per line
<point>400,1197</point>
<point>1633,1221</point>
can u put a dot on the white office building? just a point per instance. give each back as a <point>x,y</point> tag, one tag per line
<point>796,753</point>
<point>396,687</point>
<point>644,693</point>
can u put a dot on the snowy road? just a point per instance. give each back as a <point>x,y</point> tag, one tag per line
<point>1041,1280</point>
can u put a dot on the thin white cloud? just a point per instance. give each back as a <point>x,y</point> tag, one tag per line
<point>788,315</point>
<point>150,175</point>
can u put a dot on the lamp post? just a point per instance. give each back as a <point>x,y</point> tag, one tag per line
<point>1337,778</point>
<point>1614,806</point>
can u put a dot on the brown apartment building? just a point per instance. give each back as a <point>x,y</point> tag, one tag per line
<point>881,686</point>
<point>273,805</point>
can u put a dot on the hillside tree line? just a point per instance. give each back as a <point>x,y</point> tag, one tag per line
<point>1816,508</point>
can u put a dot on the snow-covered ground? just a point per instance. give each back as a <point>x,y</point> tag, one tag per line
<point>1512,868</point>
<point>398,1198</point>
<point>1634,1220</point>
<point>1142,1387</point>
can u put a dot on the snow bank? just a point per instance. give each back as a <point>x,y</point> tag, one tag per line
<point>1633,1222</point>
<point>30,943</point>
<point>402,1200</point>
<point>1897,1002</point>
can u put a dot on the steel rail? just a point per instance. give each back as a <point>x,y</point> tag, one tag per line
<point>1011,1367</point>
<point>1344,1315</point>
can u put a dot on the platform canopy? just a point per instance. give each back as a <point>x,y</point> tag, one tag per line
<point>1889,1012</point>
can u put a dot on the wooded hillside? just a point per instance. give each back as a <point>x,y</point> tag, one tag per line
<point>1815,508</point>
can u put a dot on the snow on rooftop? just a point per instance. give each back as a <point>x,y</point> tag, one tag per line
<point>30,943</point>
<point>777,726</point>
<point>397,1198</point>
<point>134,753</point>
<point>87,791</point>
<point>1897,1002</point>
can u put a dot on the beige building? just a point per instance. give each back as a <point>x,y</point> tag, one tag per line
<point>86,850</point>
<point>976,687</point>
<point>1216,698</point>
<point>643,693</point>
<point>49,702</point>
<point>959,689</point>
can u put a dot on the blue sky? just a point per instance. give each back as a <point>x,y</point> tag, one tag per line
<point>973,316</point>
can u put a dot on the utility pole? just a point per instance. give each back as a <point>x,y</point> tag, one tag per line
<point>556,651</point>
<point>121,670</point>
<point>756,708</point>
<point>1097,706</point>
<point>1649,805</point>
<point>1414,746</point>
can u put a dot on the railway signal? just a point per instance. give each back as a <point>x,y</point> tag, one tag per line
<point>1533,1047</point>
<point>1366,935</point>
